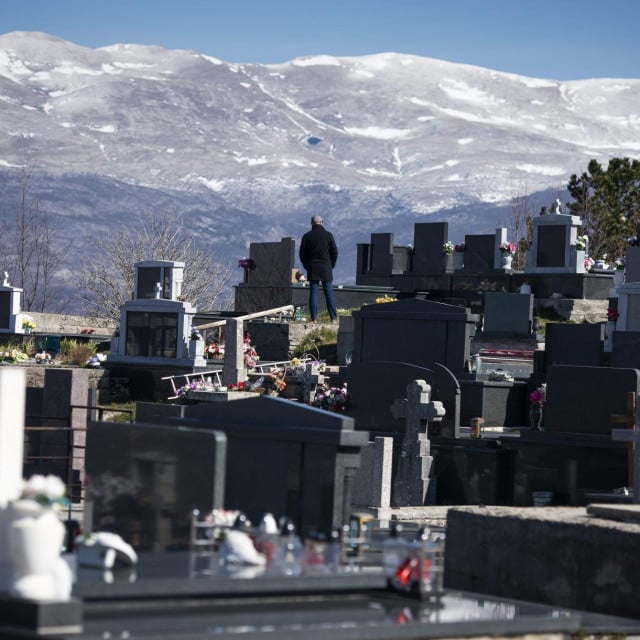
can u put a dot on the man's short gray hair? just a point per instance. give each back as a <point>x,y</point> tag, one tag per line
<point>316,219</point>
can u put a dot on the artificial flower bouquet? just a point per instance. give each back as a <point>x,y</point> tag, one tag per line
<point>331,398</point>
<point>447,248</point>
<point>507,247</point>
<point>538,396</point>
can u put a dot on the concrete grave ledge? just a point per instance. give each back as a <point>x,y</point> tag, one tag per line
<point>561,556</point>
<point>434,516</point>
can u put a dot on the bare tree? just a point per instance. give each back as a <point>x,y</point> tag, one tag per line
<point>107,275</point>
<point>30,251</point>
<point>519,226</point>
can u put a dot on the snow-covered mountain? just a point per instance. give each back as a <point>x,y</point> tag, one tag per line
<point>247,152</point>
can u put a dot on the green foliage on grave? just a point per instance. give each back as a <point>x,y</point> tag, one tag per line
<point>548,315</point>
<point>75,352</point>
<point>9,353</point>
<point>323,316</point>
<point>119,412</point>
<point>317,342</point>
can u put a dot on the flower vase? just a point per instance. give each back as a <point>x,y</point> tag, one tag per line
<point>458,260</point>
<point>618,277</point>
<point>447,262</point>
<point>35,537</point>
<point>506,258</point>
<point>610,327</point>
<point>535,417</point>
<point>27,330</point>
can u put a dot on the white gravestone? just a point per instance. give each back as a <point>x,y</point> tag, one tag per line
<point>234,369</point>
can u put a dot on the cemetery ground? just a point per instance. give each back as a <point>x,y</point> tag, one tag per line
<point>424,416</point>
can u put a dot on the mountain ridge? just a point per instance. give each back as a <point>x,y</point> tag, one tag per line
<point>390,139</point>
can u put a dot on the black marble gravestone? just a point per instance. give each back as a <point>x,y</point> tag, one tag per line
<point>428,238</point>
<point>373,387</point>
<point>625,351</point>
<point>419,332</point>
<point>5,309</point>
<point>551,246</point>
<point>274,262</point>
<point>574,455</point>
<point>380,254</point>
<point>507,314</point>
<point>479,254</point>
<point>285,458</point>
<point>145,480</point>
<point>582,399</point>
<point>573,344</point>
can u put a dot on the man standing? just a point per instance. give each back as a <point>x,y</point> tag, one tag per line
<point>318,254</point>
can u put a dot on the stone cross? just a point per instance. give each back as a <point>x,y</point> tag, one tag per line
<point>310,380</point>
<point>234,369</point>
<point>631,435</point>
<point>412,478</point>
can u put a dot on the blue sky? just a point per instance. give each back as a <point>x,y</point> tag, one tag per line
<point>555,39</point>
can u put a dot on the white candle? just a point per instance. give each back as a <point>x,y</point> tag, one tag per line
<point>12,399</point>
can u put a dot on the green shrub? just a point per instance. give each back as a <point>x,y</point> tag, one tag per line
<point>316,341</point>
<point>76,352</point>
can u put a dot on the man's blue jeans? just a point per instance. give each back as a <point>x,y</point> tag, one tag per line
<point>327,287</point>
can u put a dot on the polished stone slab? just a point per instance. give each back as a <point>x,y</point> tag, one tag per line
<point>42,618</point>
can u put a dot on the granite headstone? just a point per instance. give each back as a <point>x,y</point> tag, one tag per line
<point>507,313</point>
<point>479,254</point>
<point>428,238</point>
<point>582,399</point>
<point>145,480</point>
<point>573,344</point>
<point>420,332</point>
<point>285,458</point>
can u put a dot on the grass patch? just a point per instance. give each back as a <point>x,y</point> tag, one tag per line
<point>549,315</point>
<point>118,412</point>
<point>317,341</point>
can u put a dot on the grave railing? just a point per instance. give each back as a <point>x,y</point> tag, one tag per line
<point>70,439</point>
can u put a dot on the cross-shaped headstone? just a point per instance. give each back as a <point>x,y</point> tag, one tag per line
<point>310,380</point>
<point>631,435</point>
<point>414,464</point>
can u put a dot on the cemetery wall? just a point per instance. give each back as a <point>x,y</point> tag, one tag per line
<point>560,556</point>
<point>576,310</point>
<point>98,380</point>
<point>277,340</point>
<point>70,324</point>
<point>251,299</point>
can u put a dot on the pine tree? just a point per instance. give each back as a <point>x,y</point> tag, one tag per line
<point>608,201</point>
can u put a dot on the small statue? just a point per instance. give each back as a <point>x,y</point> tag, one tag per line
<point>5,282</point>
<point>558,206</point>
